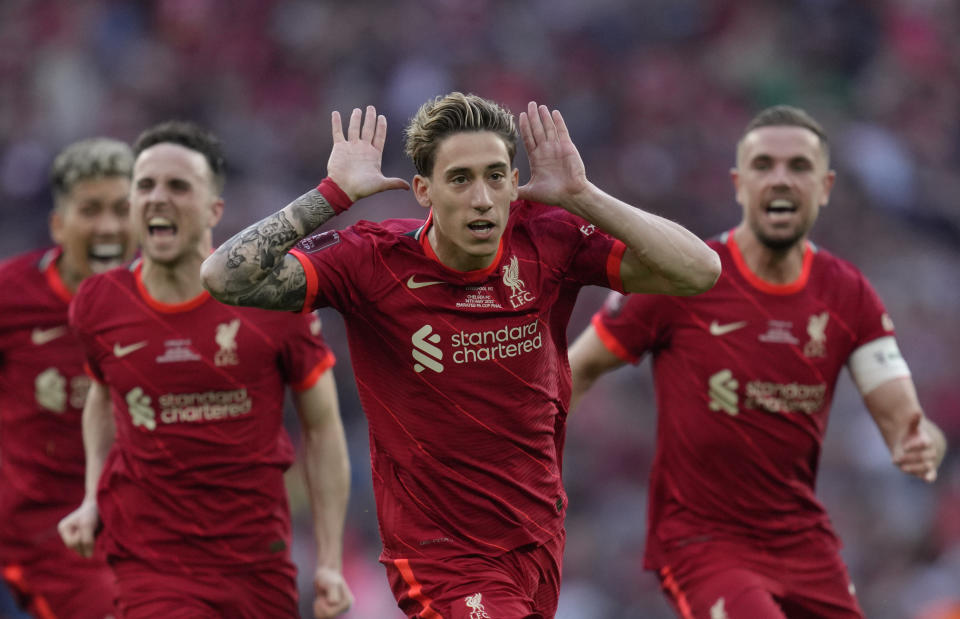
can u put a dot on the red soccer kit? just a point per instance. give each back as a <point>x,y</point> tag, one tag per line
<point>463,376</point>
<point>195,477</point>
<point>42,390</point>
<point>744,377</point>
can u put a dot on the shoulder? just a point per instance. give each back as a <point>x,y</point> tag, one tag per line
<point>26,265</point>
<point>98,293</point>
<point>835,267</point>
<point>543,221</point>
<point>362,233</point>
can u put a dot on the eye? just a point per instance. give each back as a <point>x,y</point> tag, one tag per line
<point>498,176</point>
<point>458,179</point>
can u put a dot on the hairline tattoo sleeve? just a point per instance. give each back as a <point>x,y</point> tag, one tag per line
<point>256,270</point>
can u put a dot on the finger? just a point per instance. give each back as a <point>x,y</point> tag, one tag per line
<point>369,124</point>
<point>380,134</point>
<point>562,132</point>
<point>525,132</point>
<point>337,126</point>
<point>395,183</point>
<point>536,125</point>
<point>549,129</point>
<point>353,129</point>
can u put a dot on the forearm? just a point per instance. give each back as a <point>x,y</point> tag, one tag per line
<point>243,263</point>
<point>327,469</point>
<point>663,257</point>
<point>98,436</point>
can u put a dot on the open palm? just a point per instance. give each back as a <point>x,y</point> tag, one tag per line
<point>556,168</point>
<point>355,160</point>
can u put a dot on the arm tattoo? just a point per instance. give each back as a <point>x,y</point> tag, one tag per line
<point>254,270</point>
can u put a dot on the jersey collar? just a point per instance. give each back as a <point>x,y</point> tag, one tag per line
<point>166,308</point>
<point>48,266</point>
<point>809,249</point>
<point>477,275</point>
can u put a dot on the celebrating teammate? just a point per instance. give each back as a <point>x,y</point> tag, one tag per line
<point>183,422</point>
<point>457,328</point>
<point>43,386</point>
<point>744,377</point>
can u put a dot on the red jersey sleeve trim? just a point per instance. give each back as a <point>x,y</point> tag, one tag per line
<point>89,372</point>
<point>614,260</point>
<point>54,280</point>
<point>780,289</point>
<point>325,364</point>
<point>166,308</point>
<point>611,342</point>
<point>313,282</point>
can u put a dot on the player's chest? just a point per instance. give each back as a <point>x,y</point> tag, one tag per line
<point>768,331</point>
<point>188,347</point>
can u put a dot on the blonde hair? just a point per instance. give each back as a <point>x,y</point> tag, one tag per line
<point>89,159</point>
<point>455,113</point>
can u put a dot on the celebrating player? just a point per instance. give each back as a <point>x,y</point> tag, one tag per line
<point>744,376</point>
<point>457,330</point>
<point>183,423</point>
<point>43,386</point>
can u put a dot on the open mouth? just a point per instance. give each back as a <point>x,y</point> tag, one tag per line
<point>481,229</point>
<point>781,206</point>
<point>104,256</point>
<point>161,226</point>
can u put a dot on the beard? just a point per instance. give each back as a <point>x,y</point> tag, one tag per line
<point>779,243</point>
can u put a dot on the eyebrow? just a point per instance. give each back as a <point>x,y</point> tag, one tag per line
<point>464,169</point>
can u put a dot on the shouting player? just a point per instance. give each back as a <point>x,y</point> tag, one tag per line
<point>183,423</point>
<point>744,377</point>
<point>43,386</point>
<point>456,326</point>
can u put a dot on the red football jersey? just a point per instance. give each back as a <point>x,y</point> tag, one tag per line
<point>463,375</point>
<point>42,390</point>
<point>744,377</point>
<point>195,475</point>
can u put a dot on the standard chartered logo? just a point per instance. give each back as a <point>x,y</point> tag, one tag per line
<point>426,354</point>
<point>475,346</point>
<point>141,413</point>
<point>723,392</point>
<point>50,389</point>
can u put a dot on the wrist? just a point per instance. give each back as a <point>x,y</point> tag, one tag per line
<point>334,195</point>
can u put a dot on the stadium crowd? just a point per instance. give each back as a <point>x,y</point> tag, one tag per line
<point>654,93</point>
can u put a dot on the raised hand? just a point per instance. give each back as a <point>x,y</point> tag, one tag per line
<point>355,160</point>
<point>79,528</point>
<point>556,169</point>
<point>916,452</point>
<point>333,596</point>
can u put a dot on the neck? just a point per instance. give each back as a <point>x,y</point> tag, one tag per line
<point>452,258</point>
<point>177,282</point>
<point>776,266</point>
<point>69,277</point>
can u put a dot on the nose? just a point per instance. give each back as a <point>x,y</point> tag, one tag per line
<point>780,176</point>
<point>481,197</point>
<point>111,223</point>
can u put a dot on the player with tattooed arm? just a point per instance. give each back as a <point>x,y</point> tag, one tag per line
<point>456,326</point>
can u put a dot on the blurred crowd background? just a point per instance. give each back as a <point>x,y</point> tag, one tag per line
<point>655,94</point>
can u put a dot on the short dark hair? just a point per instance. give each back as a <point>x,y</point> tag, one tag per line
<point>88,159</point>
<point>455,113</point>
<point>188,135</point>
<point>787,116</point>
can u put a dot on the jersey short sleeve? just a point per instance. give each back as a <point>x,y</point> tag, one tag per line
<point>333,262</point>
<point>79,320</point>
<point>874,321</point>
<point>305,356</point>
<point>630,325</point>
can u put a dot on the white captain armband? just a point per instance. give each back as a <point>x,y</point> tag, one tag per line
<point>875,363</point>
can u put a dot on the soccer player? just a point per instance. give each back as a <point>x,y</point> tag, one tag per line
<point>744,377</point>
<point>185,448</point>
<point>457,326</point>
<point>43,385</point>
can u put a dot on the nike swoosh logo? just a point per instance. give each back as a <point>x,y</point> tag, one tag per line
<point>123,351</point>
<point>413,285</point>
<point>42,336</point>
<point>718,329</point>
